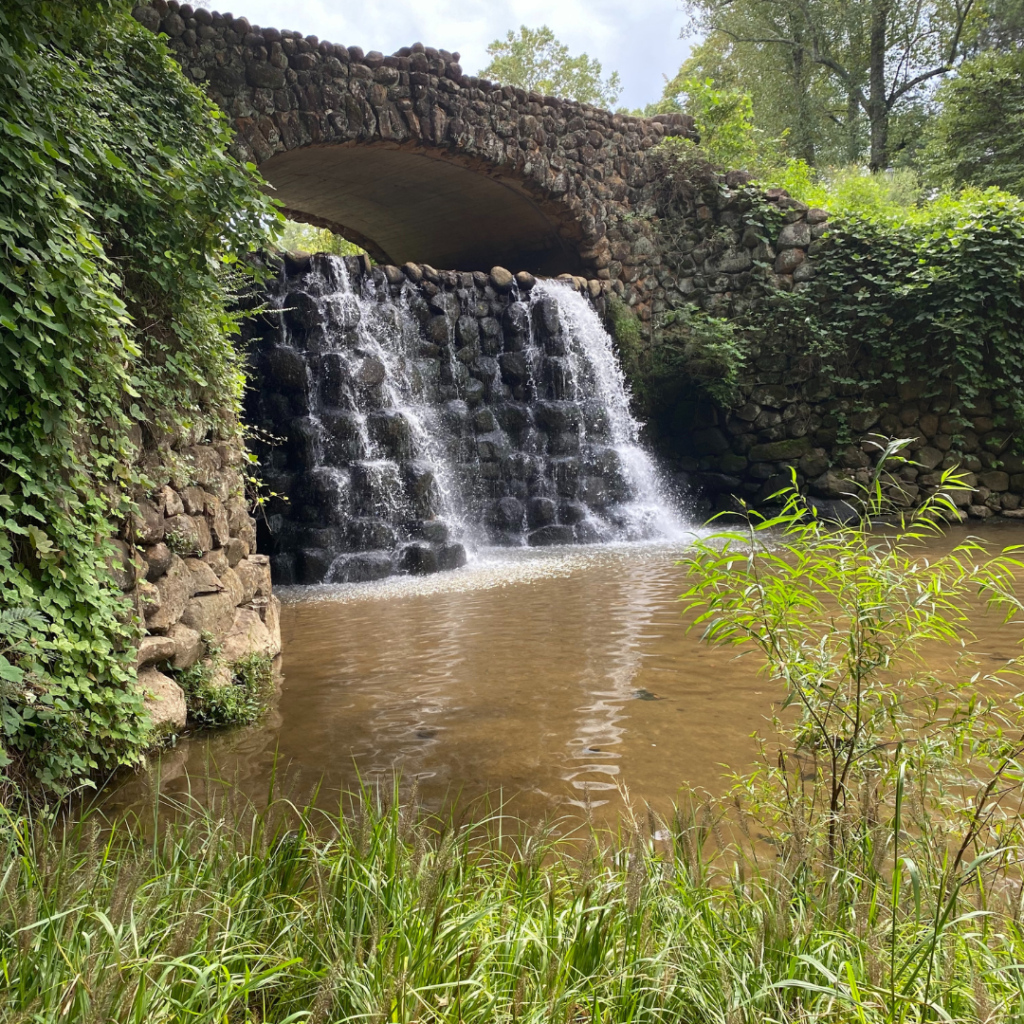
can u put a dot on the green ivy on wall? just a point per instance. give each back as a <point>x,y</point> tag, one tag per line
<point>123,226</point>
<point>933,297</point>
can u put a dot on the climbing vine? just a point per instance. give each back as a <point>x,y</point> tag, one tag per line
<point>123,227</point>
<point>936,297</point>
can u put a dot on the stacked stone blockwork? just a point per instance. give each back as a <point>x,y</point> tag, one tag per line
<point>188,563</point>
<point>793,420</point>
<point>516,425</point>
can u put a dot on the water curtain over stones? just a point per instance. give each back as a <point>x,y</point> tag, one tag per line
<point>420,418</point>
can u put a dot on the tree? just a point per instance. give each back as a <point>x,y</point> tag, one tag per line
<point>881,55</point>
<point>791,96</point>
<point>978,137</point>
<point>308,238</point>
<point>1002,26</point>
<point>724,119</point>
<point>536,61</point>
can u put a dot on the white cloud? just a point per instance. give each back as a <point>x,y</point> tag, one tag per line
<point>639,39</point>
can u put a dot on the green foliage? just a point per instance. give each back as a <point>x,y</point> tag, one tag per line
<point>978,136</point>
<point>122,224</point>
<point>850,191</point>
<point>634,355</point>
<point>290,914</point>
<point>700,350</point>
<point>893,745</point>
<point>935,298</point>
<point>536,61</point>
<point>793,100</point>
<point>724,118</point>
<point>864,67</point>
<point>19,675</point>
<point>628,333</point>
<point>182,544</point>
<point>1002,25</point>
<point>243,701</point>
<point>297,237</point>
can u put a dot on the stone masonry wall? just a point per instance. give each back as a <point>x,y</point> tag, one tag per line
<point>788,418</point>
<point>189,565</point>
<point>484,360</point>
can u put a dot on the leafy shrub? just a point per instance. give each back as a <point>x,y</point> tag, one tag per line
<point>123,225</point>
<point>724,119</point>
<point>851,191</point>
<point>893,742</point>
<point>628,333</point>
<point>703,350</point>
<point>242,702</point>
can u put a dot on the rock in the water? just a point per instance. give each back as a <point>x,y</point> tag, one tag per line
<point>269,610</point>
<point>418,559</point>
<point>165,701</point>
<point>451,556</point>
<point>549,535</point>
<point>247,635</point>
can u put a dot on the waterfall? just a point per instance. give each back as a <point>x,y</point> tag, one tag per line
<point>421,419</point>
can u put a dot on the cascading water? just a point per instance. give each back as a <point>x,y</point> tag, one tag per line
<point>421,418</point>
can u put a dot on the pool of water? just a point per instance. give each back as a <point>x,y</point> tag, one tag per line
<point>550,677</point>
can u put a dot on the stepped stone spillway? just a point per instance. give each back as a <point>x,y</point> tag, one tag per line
<point>422,412</point>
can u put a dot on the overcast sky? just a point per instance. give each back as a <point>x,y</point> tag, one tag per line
<point>637,38</point>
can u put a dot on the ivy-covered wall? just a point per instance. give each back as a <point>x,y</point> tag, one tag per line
<point>123,227</point>
<point>912,328</point>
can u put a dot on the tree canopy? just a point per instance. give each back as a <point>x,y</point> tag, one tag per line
<point>859,66</point>
<point>978,134</point>
<point>536,61</point>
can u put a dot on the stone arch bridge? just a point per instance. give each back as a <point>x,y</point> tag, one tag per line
<point>418,162</point>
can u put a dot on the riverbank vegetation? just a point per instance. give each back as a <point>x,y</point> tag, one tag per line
<point>124,229</point>
<point>868,870</point>
<point>906,286</point>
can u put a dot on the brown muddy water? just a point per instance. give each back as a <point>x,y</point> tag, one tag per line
<point>541,677</point>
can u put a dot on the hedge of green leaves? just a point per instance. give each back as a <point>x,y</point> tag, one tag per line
<point>935,295</point>
<point>122,224</point>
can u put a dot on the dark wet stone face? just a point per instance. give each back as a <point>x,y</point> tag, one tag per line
<point>428,410</point>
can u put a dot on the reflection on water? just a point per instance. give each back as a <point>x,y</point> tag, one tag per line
<point>551,676</point>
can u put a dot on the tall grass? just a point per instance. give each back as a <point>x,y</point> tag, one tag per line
<point>291,914</point>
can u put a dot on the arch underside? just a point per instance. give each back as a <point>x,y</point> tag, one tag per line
<point>410,205</point>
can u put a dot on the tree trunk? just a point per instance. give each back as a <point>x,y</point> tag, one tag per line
<point>877,107</point>
<point>853,146</point>
<point>803,136</point>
